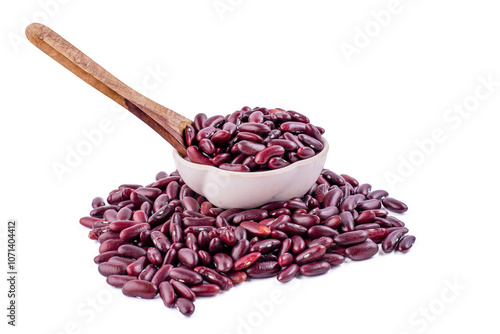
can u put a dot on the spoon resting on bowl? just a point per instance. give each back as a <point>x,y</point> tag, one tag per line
<point>225,189</point>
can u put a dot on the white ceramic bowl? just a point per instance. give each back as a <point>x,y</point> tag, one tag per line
<point>227,189</point>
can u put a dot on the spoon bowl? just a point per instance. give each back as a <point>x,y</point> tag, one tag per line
<point>227,189</point>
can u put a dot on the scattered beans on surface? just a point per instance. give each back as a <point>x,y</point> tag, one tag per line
<point>165,240</point>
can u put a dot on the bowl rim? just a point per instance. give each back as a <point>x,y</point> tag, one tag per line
<point>282,170</point>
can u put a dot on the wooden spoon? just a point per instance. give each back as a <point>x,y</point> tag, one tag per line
<point>169,124</point>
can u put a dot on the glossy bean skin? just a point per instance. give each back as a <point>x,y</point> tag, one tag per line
<point>311,254</point>
<point>246,261</point>
<point>107,269</point>
<point>287,274</point>
<point>271,151</point>
<point>405,243</point>
<point>205,290</point>
<point>138,288</point>
<point>351,238</point>
<point>263,269</point>
<point>223,262</point>
<point>185,306</point>
<point>333,259</point>
<point>167,293</point>
<point>315,268</point>
<point>265,246</point>
<point>362,251</point>
<point>119,281</point>
<point>256,228</point>
<point>214,277</point>
<point>394,205</point>
<point>182,290</point>
<point>377,194</point>
<point>391,240</point>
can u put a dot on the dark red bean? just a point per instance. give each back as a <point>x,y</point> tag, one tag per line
<point>223,262</point>
<point>131,251</point>
<point>250,147</point>
<point>258,128</point>
<point>272,151</point>
<point>347,223</point>
<point>311,254</point>
<point>377,194</point>
<point>311,142</point>
<point>324,241</point>
<point>214,121</point>
<point>107,268</point>
<point>390,242</point>
<point>148,273</point>
<point>292,229</point>
<point>293,127</point>
<point>277,162</point>
<point>215,246</point>
<point>305,152</point>
<point>220,138</point>
<point>288,273</point>
<point>205,290</point>
<point>285,143</point>
<point>185,275</point>
<point>138,288</point>
<point>265,246</point>
<point>351,238</point>
<point>371,204</point>
<point>110,245</point>
<point>199,119</point>
<point>263,269</point>
<point>161,215</point>
<point>394,205</point>
<point>365,217</point>
<point>298,244</point>
<point>333,259</point>
<point>188,257</point>
<point>252,214</point>
<point>246,261</point>
<point>305,220</point>
<point>119,281</point>
<point>362,251</point>
<point>377,234</point>
<point>105,256</point>
<point>256,229</point>
<point>212,276</point>
<point>240,249</point>
<point>315,268</point>
<point>98,202</point>
<point>233,167</point>
<point>333,178</point>
<point>161,274</point>
<point>285,259</point>
<point>333,222</point>
<point>405,243</point>
<point>185,306</point>
<point>197,157</point>
<point>131,233</point>
<point>366,226</point>
<point>154,256</point>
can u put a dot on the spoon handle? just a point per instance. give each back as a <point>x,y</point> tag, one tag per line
<point>169,124</point>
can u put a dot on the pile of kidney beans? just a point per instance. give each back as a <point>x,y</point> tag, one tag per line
<point>165,239</point>
<point>252,139</point>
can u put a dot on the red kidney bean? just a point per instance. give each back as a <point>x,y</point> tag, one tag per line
<point>395,222</point>
<point>347,223</point>
<point>377,234</point>
<point>286,244</point>
<point>366,226</point>
<point>167,293</point>
<point>370,204</point>
<point>131,233</point>
<point>364,189</point>
<point>161,215</point>
<point>285,259</point>
<point>182,290</point>
<point>107,268</point>
<point>215,246</point>
<point>279,235</point>
<point>305,152</point>
<point>293,127</point>
<point>327,212</point>
<point>110,245</point>
<point>161,274</point>
<point>197,157</point>
<point>189,203</point>
<point>391,240</point>
<point>313,131</point>
<point>336,249</point>
<point>189,135</point>
<point>305,220</point>
<point>240,249</point>
<point>250,137</point>
<point>139,216</point>
<point>277,162</point>
<point>110,215</point>
<point>287,274</point>
<point>292,229</point>
<point>223,262</point>
<point>333,222</point>
<point>365,217</point>
<point>333,178</point>
<point>193,221</point>
<point>188,257</point>
<point>321,231</point>
<point>265,246</point>
<point>394,205</point>
<point>185,306</point>
<point>136,267</point>
<point>235,167</point>
<point>212,276</point>
<point>324,241</point>
<point>249,147</point>
<point>185,275</point>
<point>105,256</point>
<point>315,268</point>
<point>205,290</point>
<point>109,235</point>
<point>131,251</point>
<point>214,121</point>
<point>138,288</point>
<point>199,119</point>
<point>98,202</point>
<point>205,257</point>
<point>377,194</point>
<point>382,222</point>
<point>348,204</point>
<point>256,229</point>
<point>154,256</point>
<point>380,213</point>
<point>351,238</point>
<point>272,151</point>
<point>298,244</point>
<point>119,281</point>
<point>258,128</point>
<point>405,243</point>
<point>89,221</point>
<point>228,237</point>
<point>246,261</point>
<point>252,214</point>
<point>148,273</point>
<point>163,182</point>
<point>263,269</point>
<point>288,145</point>
<point>220,138</point>
<point>119,225</point>
<point>333,259</point>
<point>311,142</point>
<point>362,251</point>
<point>310,255</point>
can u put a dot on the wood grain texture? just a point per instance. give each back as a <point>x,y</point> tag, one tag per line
<point>169,124</point>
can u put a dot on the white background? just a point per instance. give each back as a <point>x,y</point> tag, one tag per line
<point>375,104</point>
